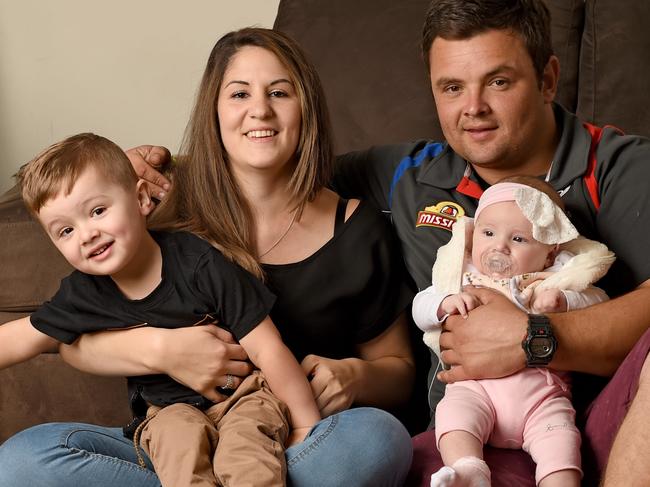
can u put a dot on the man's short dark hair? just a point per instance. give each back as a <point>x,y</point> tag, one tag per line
<point>462,19</point>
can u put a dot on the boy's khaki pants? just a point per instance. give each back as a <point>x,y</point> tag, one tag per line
<point>238,442</point>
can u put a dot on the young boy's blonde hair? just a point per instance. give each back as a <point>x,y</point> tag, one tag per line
<point>59,166</point>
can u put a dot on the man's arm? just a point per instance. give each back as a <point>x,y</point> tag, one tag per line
<point>594,340</point>
<point>597,339</point>
<point>628,458</point>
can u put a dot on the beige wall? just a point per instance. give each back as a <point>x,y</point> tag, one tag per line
<point>125,69</point>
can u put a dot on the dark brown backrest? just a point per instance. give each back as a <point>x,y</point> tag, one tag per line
<point>367,53</point>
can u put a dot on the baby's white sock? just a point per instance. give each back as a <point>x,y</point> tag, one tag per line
<point>445,477</point>
<point>465,472</point>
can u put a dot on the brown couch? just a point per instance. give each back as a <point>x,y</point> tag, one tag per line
<point>367,52</point>
<point>43,389</point>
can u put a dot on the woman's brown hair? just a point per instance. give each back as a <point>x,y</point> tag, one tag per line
<point>205,198</point>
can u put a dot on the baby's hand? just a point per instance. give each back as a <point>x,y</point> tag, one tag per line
<point>549,301</point>
<point>460,303</point>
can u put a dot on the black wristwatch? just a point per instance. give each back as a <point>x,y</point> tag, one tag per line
<point>540,344</point>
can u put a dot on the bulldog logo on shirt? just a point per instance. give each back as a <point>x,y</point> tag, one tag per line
<point>443,215</point>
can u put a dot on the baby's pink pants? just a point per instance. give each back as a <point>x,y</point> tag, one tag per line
<point>530,410</point>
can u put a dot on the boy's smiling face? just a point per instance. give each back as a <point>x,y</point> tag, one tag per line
<point>99,226</point>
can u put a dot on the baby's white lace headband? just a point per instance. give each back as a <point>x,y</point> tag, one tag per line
<point>550,223</point>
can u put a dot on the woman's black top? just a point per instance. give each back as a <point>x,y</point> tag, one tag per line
<point>346,293</point>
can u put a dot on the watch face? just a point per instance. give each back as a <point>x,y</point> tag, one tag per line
<point>541,347</point>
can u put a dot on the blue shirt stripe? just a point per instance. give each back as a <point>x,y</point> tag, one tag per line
<point>431,150</point>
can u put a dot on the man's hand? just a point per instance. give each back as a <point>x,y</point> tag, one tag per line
<point>332,381</point>
<point>487,344</point>
<point>148,161</point>
<point>201,357</point>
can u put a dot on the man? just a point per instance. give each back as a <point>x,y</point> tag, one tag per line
<point>494,79</point>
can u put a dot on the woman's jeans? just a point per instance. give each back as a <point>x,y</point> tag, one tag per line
<point>357,447</point>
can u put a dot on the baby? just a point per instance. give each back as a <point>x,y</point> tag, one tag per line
<point>523,245</point>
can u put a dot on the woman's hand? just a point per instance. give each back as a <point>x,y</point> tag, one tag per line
<point>381,376</point>
<point>333,382</point>
<point>202,357</point>
<point>148,161</point>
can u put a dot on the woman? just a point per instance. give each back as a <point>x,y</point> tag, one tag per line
<point>257,156</point>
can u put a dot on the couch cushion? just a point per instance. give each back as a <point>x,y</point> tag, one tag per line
<point>368,56</point>
<point>567,20</point>
<point>31,266</point>
<point>614,68</point>
<point>47,389</point>
<point>508,467</point>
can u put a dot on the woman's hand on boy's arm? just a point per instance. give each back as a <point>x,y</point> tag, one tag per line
<point>20,341</point>
<point>201,357</point>
<point>148,162</point>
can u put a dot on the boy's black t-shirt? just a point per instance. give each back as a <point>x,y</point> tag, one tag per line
<point>346,293</point>
<point>199,285</point>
